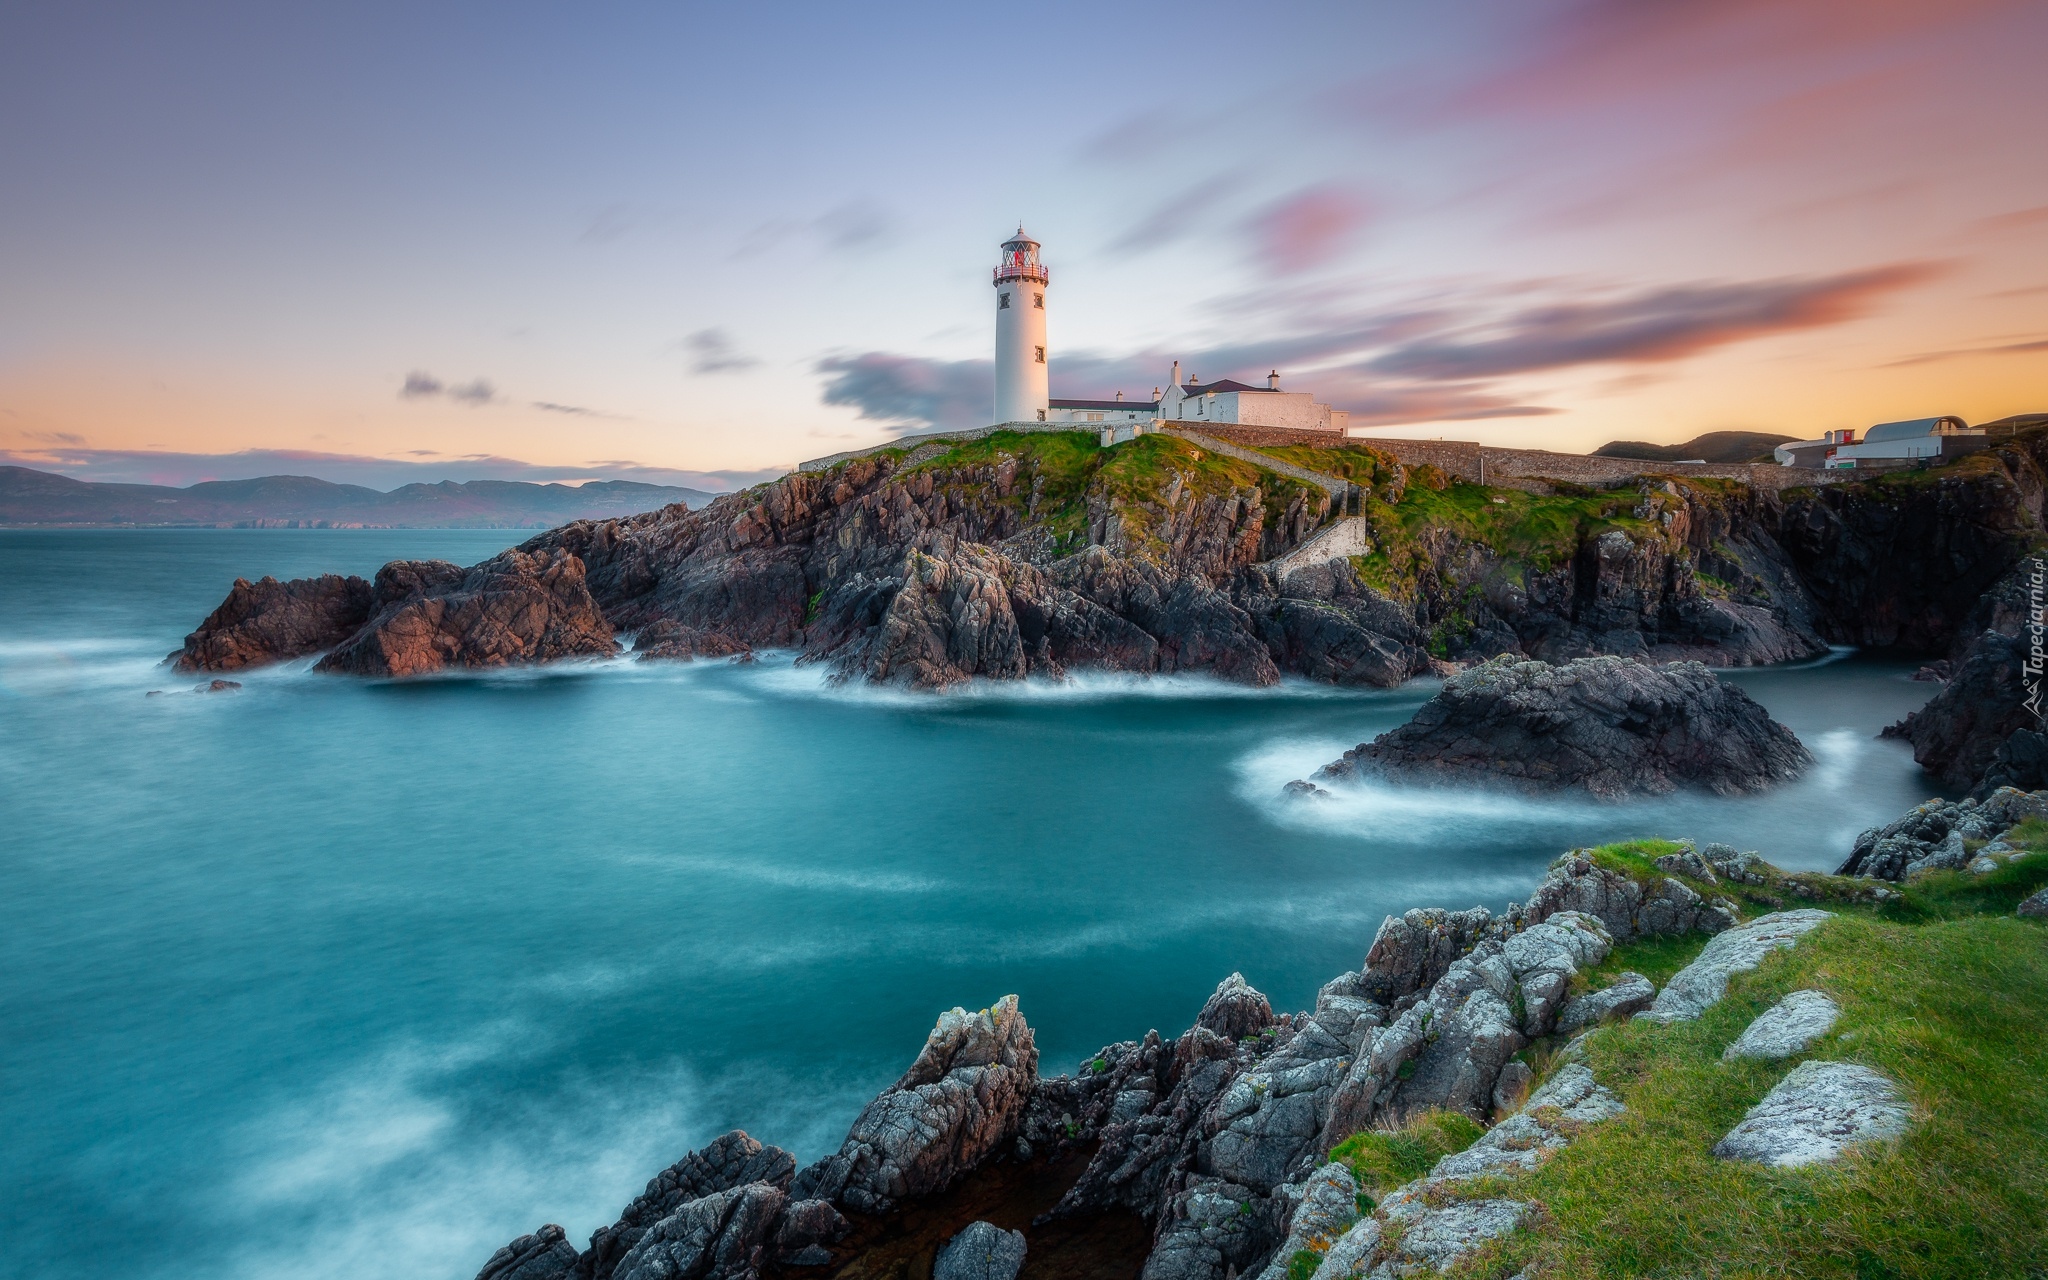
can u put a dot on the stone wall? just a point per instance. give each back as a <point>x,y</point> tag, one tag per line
<point>1461,459</point>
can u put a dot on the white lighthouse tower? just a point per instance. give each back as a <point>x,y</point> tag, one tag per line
<point>1022,390</point>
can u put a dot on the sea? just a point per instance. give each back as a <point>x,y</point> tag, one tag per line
<point>323,977</point>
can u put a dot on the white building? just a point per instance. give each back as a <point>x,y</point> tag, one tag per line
<point>1023,389</point>
<point>1915,438</point>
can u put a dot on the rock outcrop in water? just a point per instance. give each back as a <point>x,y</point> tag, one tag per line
<point>1041,554</point>
<point>270,621</point>
<point>1607,726</point>
<point>419,616</point>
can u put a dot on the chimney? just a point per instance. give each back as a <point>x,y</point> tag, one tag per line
<point>1155,395</point>
<point>1119,397</point>
<point>1273,380</point>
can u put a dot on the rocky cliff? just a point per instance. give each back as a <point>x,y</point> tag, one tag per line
<point>1016,555</point>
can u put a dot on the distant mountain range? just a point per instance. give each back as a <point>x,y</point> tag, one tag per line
<point>301,502</point>
<point>1715,446</point>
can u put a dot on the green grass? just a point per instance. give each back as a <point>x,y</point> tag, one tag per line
<point>1063,477</point>
<point>1943,989</point>
<point>1383,1159</point>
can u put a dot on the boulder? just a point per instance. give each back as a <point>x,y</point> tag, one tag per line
<point>1540,1127</point>
<point>1610,727</point>
<point>1815,1113</point>
<point>1411,951</point>
<point>1700,985</point>
<point>1625,996</point>
<point>960,1103</point>
<point>270,621</point>
<point>983,1251</point>
<point>2036,906</point>
<point>517,608</point>
<point>1786,1028</point>
<point>544,1255</point>
<point>732,1160</point>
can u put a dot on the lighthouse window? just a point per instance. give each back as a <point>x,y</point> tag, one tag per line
<point>1002,302</point>
<point>1038,300</point>
<point>1041,354</point>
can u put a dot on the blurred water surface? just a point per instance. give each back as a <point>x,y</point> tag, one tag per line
<point>333,978</point>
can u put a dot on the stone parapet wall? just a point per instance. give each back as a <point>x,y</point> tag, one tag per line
<point>1461,459</point>
<point>1335,486</point>
<point>1259,437</point>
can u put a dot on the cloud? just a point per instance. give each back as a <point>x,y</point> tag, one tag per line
<point>142,466</point>
<point>420,385</point>
<point>855,226</point>
<point>910,389</point>
<point>713,352</point>
<point>1305,229</point>
<point>1172,220</point>
<point>1662,324</point>
<point>2007,349</point>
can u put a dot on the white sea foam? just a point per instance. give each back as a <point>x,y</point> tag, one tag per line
<point>389,1169</point>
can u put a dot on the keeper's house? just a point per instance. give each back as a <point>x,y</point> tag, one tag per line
<point>1886,445</point>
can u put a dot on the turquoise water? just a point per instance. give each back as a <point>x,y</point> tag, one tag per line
<point>328,978</point>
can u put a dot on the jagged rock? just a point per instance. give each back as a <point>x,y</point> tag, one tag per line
<point>806,1228</point>
<point>1411,951</point>
<point>1814,1114</point>
<point>1327,1208</point>
<point>1700,985</point>
<point>667,638</point>
<point>1608,726</point>
<point>1729,864</point>
<point>732,1160</point>
<point>982,1251</point>
<point>1687,862</point>
<point>960,1102</point>
<point>1982,865</point>
<point>1140,1161</point>
<point>1305,791</point>
<point>2036,906</point>
<point>1206,1232</point>
<point>1236,1010</point>
<point>715,1237</point>
<point>1626,909</point>
<point>1787,1027</point>
<point>1627,995</point>
<point>1931,836</point>
<point>1959,732</point>
<point>1545,957</point>
<point>544,1255</point>
<point>270,621</point>
<point>516,608</point>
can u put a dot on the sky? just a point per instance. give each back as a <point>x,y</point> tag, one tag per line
<point>698,244</point>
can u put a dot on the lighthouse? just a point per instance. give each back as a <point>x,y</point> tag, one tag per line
<point>1022,390</point>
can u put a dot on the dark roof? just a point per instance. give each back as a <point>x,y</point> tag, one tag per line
<point>1100,404</point>
<point>1227,384</point>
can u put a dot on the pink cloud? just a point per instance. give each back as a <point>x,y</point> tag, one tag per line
<point>1306,229</point>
